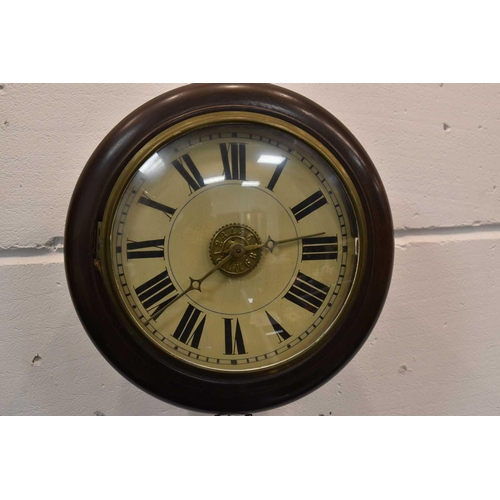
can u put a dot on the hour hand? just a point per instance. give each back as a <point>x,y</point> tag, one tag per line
<point>194,285</point>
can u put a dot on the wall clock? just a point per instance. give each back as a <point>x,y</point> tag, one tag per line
<point>229,248</point>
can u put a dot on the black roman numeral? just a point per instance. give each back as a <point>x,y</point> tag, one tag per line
<point>234,160</point>
<point>278,329</point>
<point>233,343</point>
<point>186,331</point>
<point>308,293</point>
<point>320,248</point>
<point>145,249</point>
<point>146,200</point>
<point>276,175</point>
<point>193,177</point>
<point>152,293</point>
<point>309,205</point>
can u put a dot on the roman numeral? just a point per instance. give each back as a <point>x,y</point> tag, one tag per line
<point>309,205</point>
<point>146,200</point>
<point>193,177</point>
<point>278,329</point>
<point>233,343</point>
<point>308,293</point>
<point>276,175</point>
<point>234,160</point>
<point>152,293</point>
<point>320,248</point>
<point>186,331</point>
<point>145,249</point>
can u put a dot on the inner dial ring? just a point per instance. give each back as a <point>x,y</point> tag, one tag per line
<point>232,239</point>
<point>231,293</point>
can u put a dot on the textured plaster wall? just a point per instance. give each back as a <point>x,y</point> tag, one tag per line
<point>436,347</point>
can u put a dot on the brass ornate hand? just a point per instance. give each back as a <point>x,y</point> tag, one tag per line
<point>270,244</point>
<point>195,285</point>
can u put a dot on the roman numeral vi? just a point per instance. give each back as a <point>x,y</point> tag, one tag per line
<point>233,341</point>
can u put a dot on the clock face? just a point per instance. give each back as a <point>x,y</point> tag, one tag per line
<point>232,247</point>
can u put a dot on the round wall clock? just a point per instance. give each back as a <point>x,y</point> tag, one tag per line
<point>229,248</point>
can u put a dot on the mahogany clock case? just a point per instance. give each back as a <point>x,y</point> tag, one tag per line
<point>137,358</point>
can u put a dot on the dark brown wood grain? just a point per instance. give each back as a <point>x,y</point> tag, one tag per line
<point>137,358</point>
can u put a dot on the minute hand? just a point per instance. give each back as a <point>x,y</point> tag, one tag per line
<point>270,243</point>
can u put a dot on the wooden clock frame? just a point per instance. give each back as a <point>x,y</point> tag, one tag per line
<point>133,355</point>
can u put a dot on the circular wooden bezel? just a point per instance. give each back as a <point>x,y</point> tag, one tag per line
<point>137,358</point>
